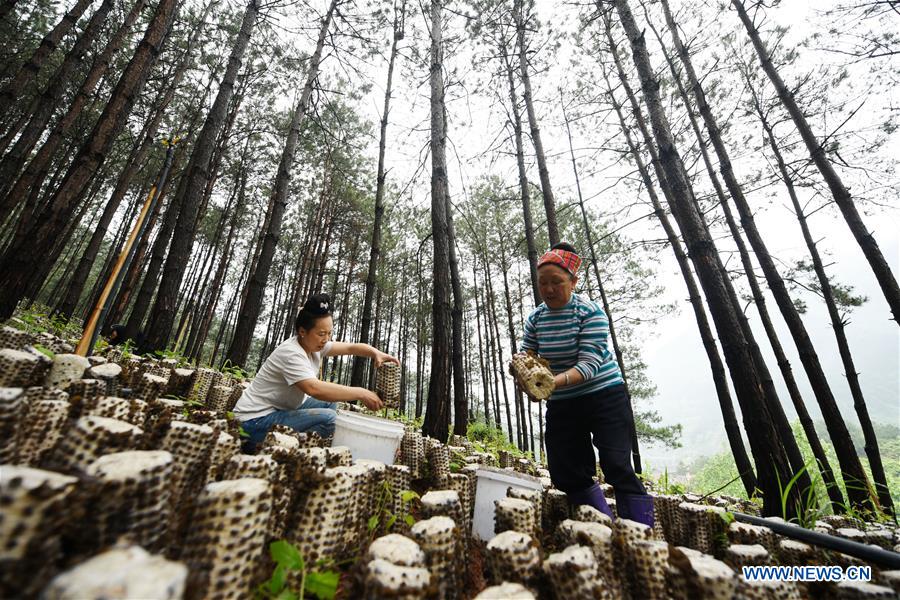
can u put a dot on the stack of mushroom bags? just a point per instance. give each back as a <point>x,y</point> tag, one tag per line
<point>122,477</point>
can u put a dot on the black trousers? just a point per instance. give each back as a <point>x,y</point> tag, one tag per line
<point>603,415</point>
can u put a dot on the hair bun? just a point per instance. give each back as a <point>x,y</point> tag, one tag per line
<point>566,246</point>
<point>318,304</point>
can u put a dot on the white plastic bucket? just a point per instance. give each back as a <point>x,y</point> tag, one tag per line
<point>368,437</point>
<point>492,485</point>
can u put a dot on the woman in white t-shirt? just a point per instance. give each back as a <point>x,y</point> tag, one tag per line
<point>287,390</point>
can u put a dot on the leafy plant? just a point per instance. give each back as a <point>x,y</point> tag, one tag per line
<point>45,351</point>
<point>491,439</point>
<point>807,506</point>
<point>390,518</point>
<point>241,431</point>
<point>172,354</point>
<point>235,371</point>
<point>721,539</point>
<point>189,406</point>
<point>127,348</point>
<point>669,487</point>
<point>322,584</point>
<point>37,319</point>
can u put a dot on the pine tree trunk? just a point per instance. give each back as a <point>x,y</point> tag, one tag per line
<point>420,328</point>
<point>546,189</point>
<point>635,448</point>
<point>136,160</point>
<point>493,319</point>
<point>64,267</point>
<point>256,284</point>
<point>358,362</point>
<point>199,337</point>
<point>132,277</point>
<point>194,312</point>
<point>24,78</point>
<point>856,481</point>
<point>837,322</point>
<point>524,195</point>
<point>485,388</point>
<point>17,272</point>
<point>404,351</point>
<point>729,417</point>
<point>187,291</point>
<point>84,308</point>
<point>44,104</point>
<point>521,425</point>
<point>779,418</point>
<point>460,404</point>
<point>839,191</point>
<point>190,188</point>
<point>437,412</point>
<point>769,451</point>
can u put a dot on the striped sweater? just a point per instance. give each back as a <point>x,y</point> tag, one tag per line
<point>573,336</point>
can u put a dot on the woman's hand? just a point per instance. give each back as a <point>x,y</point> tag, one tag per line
<point>369,398</point>
<point>382,357</point>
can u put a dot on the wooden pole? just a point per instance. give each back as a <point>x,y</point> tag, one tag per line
<point>86,345</point>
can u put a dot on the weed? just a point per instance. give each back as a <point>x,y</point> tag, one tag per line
<point>807,507</point>
<point>37,319</point>
<point>172,354</point>
<point>127,348</point>
<point>322,584</point>
<point>45,351</point>
<point>492,439</point>
<point>390,518</point>
<point>669,487</point>
<point>235,371</point>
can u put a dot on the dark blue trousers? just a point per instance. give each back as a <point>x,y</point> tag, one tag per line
<point>602,417</point>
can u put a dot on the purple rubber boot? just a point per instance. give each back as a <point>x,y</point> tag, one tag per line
<point>592,496</point>
<point>636,507</point>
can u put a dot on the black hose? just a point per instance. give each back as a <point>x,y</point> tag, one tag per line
<point>872,554</point>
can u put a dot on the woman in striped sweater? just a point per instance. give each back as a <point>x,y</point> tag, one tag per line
<point>589,402</point>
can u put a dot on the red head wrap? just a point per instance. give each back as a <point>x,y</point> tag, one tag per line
<point>562,258</point>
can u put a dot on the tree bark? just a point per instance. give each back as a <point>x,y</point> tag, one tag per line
<point>26,75</point>
<point>770,393</point>
<point>492,320</point>
<point>485,387</point>
<point>635,448</point>
<point>518,399</point>
<point>546,189</point>
<point>359,362</point>
<point>839,191</point>
<point>195,344</point>
<point>256,284</point>
<point>44,104</point>
<point>17,272</point>
<point>460,405</point>
<point>138,156</point>
<point>717,368</point>
<point>437,412</point>
<point>771,457</point>
<point>524,195</point>
<point>855,479</point>
<point>191,186</point>
<point>837,321</point>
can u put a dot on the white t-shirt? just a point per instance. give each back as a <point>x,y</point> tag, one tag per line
<point>273,387</point>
